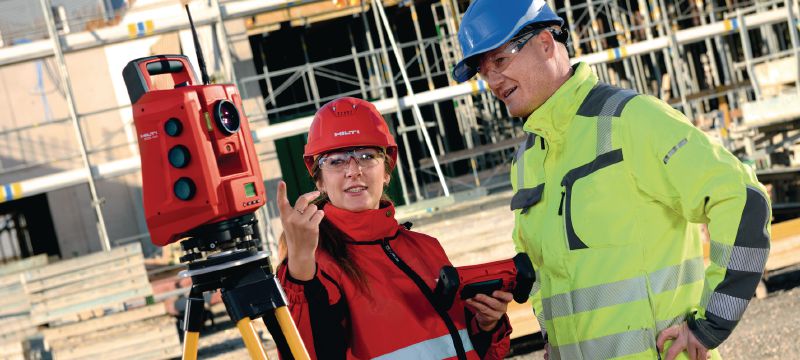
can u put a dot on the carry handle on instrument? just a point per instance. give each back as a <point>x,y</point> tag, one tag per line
<point>138,73</point>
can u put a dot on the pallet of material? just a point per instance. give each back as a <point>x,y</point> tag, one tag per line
<point>785,247</point>
<point>68,289</point>
<point>19,266</point>
<point>12,351</point>
<point>142,333</point>
<point>523,322</point>
<point>14,307</point>
<point>15,321</point>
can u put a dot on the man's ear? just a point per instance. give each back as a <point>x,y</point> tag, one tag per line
<point>547,42</point>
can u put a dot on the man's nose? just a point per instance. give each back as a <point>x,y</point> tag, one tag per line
<point>494,80</point>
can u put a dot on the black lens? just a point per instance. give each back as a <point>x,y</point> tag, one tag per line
<point>226,117</point>
<point>184,188</point>
<point>173,127</point>
<point>179,156</point>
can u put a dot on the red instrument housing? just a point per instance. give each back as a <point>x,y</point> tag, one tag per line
<point>221,164</point>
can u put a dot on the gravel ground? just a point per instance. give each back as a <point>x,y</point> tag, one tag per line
<point>770,330</point>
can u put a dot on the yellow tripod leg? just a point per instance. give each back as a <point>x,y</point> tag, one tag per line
<point>290,333</point>
<point>190,340</point>
<point>251,340</point>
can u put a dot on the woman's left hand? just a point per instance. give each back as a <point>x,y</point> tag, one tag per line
<point>489,309</point>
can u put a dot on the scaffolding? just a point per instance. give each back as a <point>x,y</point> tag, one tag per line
<point>702,57</point>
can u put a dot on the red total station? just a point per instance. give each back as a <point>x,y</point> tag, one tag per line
<point>199,164</point>
<point>515,275</point>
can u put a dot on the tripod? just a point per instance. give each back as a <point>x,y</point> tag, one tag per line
<point>249,288</point>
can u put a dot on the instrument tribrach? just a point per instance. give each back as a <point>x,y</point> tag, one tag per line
<point>202,184</point>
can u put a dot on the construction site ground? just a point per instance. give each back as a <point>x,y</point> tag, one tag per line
<point>478,230</point>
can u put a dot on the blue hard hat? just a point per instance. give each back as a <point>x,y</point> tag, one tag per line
<point>487,24</point>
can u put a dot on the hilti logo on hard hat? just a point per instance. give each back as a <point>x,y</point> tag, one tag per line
<point>346,133</point>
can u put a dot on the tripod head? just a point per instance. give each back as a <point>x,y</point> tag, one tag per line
<point>236,234</point>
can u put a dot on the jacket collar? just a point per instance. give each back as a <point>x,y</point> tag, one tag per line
<point>369,225</point>
<point>554,116</point>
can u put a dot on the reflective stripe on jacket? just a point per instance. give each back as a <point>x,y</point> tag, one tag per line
<point>394,318</point>
<point>609,186</point>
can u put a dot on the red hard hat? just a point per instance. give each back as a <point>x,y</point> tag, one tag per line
<point>348,122</point>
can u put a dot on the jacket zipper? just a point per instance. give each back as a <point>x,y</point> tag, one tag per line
<point>561,205</point>
<point>448,322</point>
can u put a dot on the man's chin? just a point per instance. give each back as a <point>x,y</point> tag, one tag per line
<point>516,112</point>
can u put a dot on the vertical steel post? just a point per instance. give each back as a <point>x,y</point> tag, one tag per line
<point>748,53</point>
<point>374,69</point>
<point>793,35</point>
<point>224,46</point>
<point>73,114</point>
<point>410,92</point>
<point>393,87</point>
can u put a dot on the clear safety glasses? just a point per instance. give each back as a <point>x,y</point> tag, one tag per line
<point>340,160</point>
<point>497,61</point>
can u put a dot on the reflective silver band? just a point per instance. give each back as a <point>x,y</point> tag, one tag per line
<point>674,150</point>
<point>604,120</point>
<point>434,349</point>
<point>595,297</point>
<point>620,292</point>
<point>739,258</point>
<point>520,159</point>
<point>727,307</point>
<point>720,253</point>
<point>748,259</point>
<point>663,324</point>
<point>607,347</point>
<point>670,278</point>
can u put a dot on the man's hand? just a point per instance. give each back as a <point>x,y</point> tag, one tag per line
<point>489,309</point>
<point>683,340</point>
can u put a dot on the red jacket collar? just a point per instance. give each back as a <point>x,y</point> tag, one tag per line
<point>367,225</point>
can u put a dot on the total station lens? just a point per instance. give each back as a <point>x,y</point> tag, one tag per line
<point>226,117</point>
<point>184,188</point>
<point>173,127</point>
<point>179,156</point>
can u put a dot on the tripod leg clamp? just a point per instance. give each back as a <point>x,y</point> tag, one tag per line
<point>195,308</point>
<point>254,300</point>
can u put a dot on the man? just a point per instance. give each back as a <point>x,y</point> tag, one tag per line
<point>609,188</point>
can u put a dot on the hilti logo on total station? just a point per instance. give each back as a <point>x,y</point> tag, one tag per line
<point>149,135</point>
<point>346,133</point>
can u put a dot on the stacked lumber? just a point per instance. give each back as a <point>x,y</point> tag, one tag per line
<point>143,333</point>
<point>68,290</point>
<point>81,309</point>
<point>15,322</point>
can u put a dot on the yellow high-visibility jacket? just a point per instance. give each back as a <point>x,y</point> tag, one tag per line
<point>609,188</point>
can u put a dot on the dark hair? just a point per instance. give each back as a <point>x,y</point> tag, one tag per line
<point>333,240</point>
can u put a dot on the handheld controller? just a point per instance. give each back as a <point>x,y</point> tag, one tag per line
<point>515,275</point>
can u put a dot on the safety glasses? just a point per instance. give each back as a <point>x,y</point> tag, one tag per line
<point>340,160</point>
<point>498,61</point>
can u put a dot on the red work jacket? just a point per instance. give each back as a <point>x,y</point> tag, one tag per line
<point>395,317</point>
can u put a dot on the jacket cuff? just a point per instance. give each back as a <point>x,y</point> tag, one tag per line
<point>500,331</point>
<point>705,332</point>
<point>301,282</point>
<point>295,289</point>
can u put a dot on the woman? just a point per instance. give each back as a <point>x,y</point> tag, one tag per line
<point>359,284</point>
